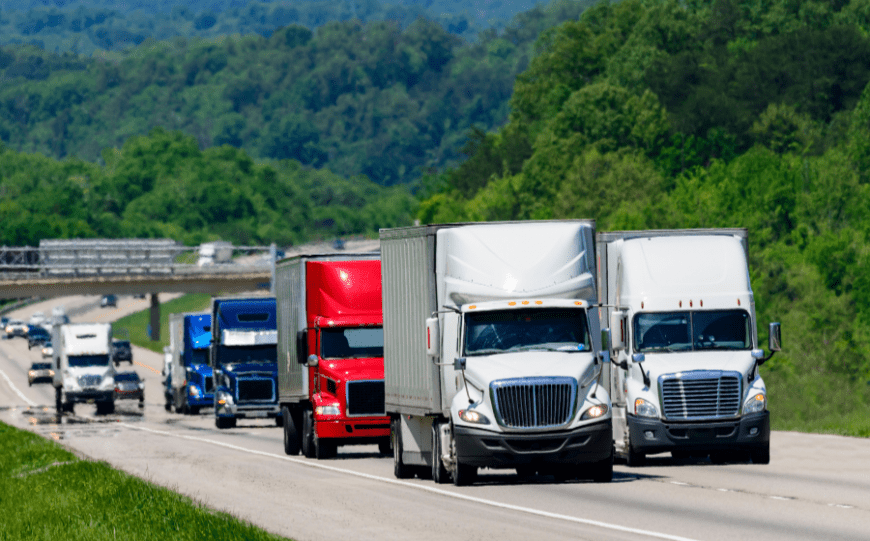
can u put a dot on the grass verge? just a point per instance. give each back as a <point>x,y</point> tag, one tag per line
<point>48,493</point>
<point>135,326</point>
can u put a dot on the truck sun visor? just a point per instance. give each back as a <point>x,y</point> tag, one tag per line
<point>248,338</point>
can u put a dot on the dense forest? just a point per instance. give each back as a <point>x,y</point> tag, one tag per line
<point>95,26</point>
<point>722,113</point>
<point>359,99</point>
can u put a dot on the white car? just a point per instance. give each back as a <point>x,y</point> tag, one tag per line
<point>37,318</point>
<point>47,350</point>
<point>16,327</point>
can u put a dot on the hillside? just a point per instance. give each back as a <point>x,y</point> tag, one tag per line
<point>718,113</point>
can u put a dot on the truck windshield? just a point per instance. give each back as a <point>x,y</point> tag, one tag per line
<point>352,343</point>
<point>88,360</point>
<point>247,354</point>
<point>540,329</point>
<point>692,331</point>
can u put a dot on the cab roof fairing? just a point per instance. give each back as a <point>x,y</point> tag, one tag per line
<point>343,293</point>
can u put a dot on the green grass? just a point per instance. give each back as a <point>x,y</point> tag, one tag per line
<point>135,326</point>
<point>48,493</point>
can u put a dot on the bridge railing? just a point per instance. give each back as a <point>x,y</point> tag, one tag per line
<point>122,256</point>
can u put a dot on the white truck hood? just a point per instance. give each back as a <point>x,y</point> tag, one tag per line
<point>657,364</point>
<point>484,369</point>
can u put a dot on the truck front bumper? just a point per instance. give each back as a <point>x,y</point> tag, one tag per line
<point>590,443</point>
<point>200,401</point>
<point>244,411</point>
<point>352,429</point>
<point>90,396</point>
<point>650,436</point>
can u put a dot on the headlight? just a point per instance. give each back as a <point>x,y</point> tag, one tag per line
<point>473,416</point>
<point>193,391</point>
<point>332,409</point>
<point>644,408</point>
<point>594,412</point>
<point>31,373</point>
<point>224,398</point>
<point>755,404</point>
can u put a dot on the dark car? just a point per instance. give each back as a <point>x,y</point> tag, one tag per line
<point>128,386</point>
<point>121,351</point>
<point>108,300</point>
<point>36,336</point>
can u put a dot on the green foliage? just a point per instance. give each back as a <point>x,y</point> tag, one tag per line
<point>379,99</point>
<point>46,492</point>
<point>163,185</point>
<point>719,113</point>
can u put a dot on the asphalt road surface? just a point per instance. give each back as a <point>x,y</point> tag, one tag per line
<point>816,487</point>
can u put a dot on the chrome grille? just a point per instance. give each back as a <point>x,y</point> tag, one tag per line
<point>255,390</point>
<point>534,402</point>
<point>365,398</point>
<point>90,380</point>
<point>701,394</point>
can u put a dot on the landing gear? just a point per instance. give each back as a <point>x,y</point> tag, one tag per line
<point>400,469</point>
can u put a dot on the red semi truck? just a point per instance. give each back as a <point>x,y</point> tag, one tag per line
<point>331,353</point>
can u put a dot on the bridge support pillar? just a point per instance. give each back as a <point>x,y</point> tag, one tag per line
<point>155,318</point>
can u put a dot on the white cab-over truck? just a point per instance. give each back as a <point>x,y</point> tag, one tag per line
<point>83,368</point>
<point>491,350</point>
<point>684,373</point>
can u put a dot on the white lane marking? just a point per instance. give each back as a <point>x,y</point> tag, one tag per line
<point>680,483</point>
<point>490,503</point>
<point>840,506</point>
<point>783,498</point>
<point>14,388</point>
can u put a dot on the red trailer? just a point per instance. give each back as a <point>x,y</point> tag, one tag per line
<point>330,353</point>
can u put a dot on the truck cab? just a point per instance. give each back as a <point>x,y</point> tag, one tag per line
<point>192,377</point>
<point>83,368</point>
<point>331,341</point>
<point>685,373</point>
<point>243,358</point>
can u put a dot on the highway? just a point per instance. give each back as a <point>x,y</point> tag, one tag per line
<point>816,486</point>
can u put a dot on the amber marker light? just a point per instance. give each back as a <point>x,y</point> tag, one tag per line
<point>472,307</point>
<point>525,302</point>
<point>512,303</point>
<point>578,303</point>
<point>539,302</point>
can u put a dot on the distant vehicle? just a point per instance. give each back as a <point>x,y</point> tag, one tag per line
<point>36,336</point>
<point>16,327</point>
<point>3,321</point>
<point>108,300</point>
<point>139,296</point>
<point>47,350</point>
<point>82,364</point>
<point>37,318</point>
<point>192,384</point>
<point>40,372</point>
<point>215,253</point>
<point>128,386</point>
<point>338,244</point>
<point>121,351</point>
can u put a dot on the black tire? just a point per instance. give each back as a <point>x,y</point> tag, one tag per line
<point>194,410</point>
<point>385,448</point>
<point>58,400</point>
<point>634,458</point>
<point>324,448</point>
<point>292,441</point>
<point>602,471</point>
<point>439,473</point>
<point>224,422</point>
<point>761,455</point>
<point>308,434</point>
<point>464,474</point>
<point>526,470</point>
<point>168,406</point>
<point>400,469</point>
<point>279,420</point>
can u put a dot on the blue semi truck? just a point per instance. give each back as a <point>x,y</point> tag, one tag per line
<point>190,383</point>
<point>243,355</point>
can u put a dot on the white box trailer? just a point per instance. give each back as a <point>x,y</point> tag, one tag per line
<point>463,396</point>
<point>684,373</point>
<point>83,368</point>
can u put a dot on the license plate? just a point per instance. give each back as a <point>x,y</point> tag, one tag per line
<point>257,414</point>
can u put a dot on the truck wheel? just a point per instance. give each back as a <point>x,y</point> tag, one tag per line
<point>279,420</point>
<point>602,471</point>
<point>400,469</point>
<point>308,434</point>
<point>194,410</point>
<point>761,455</point>
<point>385,448</point>
<point>324,448</point>
<point>224,422</point>
<point>464,475</point>
<point>291,433</point>
<point>58,401</point>
<point>526,470</point>
<point>633,458</point>
<point>439,472</point>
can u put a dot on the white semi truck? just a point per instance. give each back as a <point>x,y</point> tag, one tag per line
<point>491,351</point>
<point>684,373</point>
<point>83,368</point>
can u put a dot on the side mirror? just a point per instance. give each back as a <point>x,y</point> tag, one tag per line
<point>638,357</point>
<point>617,326</point>
<point>757,354</point>
<point>432,337</point>
<point>459,363</point>
<point>301,343</point>
<point>775,338</point>
<point>604,356</point>
<point>312,360</point>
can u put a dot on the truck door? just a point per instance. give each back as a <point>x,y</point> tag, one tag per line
<point>450,349</point>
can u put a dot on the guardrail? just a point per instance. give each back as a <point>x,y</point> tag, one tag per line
<point>125,256</point>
